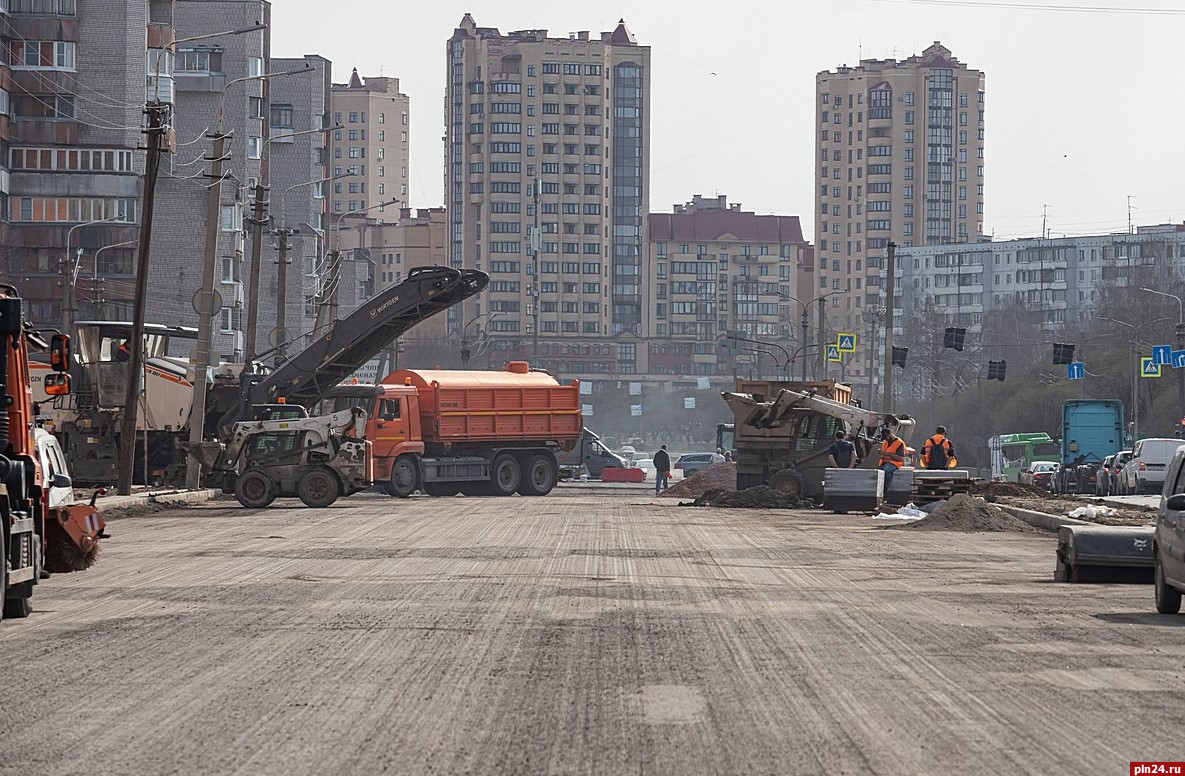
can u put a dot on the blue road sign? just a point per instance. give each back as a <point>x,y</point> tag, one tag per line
<point>833,353</point>
<point>846,343</point>
<point>1149,369</point>
<point>1162,354</point>
<point>1178,359</point>
<point>1076,370</point>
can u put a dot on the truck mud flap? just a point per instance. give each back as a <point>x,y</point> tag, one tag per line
<point>1104,553</point>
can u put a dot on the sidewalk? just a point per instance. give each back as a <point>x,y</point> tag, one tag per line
<point>112,503</point>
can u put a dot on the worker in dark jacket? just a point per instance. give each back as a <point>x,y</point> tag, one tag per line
<point>938,451</point>
<point>662,470</point>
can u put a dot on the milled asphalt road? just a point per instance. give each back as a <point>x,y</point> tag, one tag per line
<point>579,634</point>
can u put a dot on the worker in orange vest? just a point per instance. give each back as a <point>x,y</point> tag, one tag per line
<point>938,451</point>
<point>892,455</point>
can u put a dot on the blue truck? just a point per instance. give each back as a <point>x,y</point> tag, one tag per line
<point>1091,430</point>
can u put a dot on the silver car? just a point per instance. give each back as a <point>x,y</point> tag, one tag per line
<point>1169,539</point>
<point>1145,470</point>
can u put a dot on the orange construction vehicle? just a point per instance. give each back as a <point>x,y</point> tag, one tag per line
<point>479,433</point>
<point>41,530</point>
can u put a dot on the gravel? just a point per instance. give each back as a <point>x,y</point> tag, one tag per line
<point>717,476</point>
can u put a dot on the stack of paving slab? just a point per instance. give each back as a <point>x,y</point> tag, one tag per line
<point>939,484</point>
<point>853,490</point>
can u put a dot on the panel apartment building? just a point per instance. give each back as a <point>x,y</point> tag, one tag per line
<point>371,122</point>
<point>70,121</point>
<point>566,260</point>
<point>899,154</point>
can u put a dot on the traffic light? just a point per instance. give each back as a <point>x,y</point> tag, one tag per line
<point>899,355</point>
<point>996,370</point>
<point>953,338</point>
<point>1062,354</point>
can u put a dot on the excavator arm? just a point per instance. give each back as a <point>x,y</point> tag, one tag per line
<point>352,341</point>
<point>780,411</point>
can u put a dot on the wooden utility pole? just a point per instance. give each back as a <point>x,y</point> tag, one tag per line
<point>154,136</point>
<point>257,222</point>
<point>890,282</point>
<point>280,333</point>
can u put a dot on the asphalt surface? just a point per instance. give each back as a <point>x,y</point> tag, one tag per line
<point>579,634</point>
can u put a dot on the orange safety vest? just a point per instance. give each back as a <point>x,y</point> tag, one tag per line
<point>937,439</point>
<point>896,447</point>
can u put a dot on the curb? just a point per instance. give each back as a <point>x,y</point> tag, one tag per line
<point>1042,520</point>
<point>173,497</point>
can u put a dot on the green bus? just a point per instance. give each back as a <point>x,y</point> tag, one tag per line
<point>1012,453</point>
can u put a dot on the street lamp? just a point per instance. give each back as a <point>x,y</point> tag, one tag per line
<point>197,413</point>
<point>257,221</point>
<point>70,272</point>
<point>330,290</point>
<point>466,353</point>
<point>171,48</point>
<point>1135,377</point>
<point>1180,331</point>
<point>823,331</point>
<point>806,322</point>
<point>95,271</point>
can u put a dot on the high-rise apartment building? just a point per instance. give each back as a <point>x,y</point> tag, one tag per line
<point>547,187</point>
<point>899,151</point>
<point>371,122</point>
<point>70,118</point>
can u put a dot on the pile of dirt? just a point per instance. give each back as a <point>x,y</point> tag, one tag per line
<point>968,513</point>
<point>760,497</point>
<point>991,490</point>
<point>717,476</point>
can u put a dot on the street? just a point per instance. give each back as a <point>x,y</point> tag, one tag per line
<point>583,632</point>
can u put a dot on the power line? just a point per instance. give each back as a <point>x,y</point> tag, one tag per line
<point>1042,7</point>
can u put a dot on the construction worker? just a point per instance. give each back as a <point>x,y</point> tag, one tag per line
<point>892,455</point>
<point>842,453</point>
<point>124,352</point>
<point>937,451</point>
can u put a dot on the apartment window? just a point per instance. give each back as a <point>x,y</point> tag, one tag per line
<point>42,54</point>
<point>551,68</point>
<point>281,116</point>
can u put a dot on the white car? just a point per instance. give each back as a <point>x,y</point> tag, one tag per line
<point>647,467</point>
<point>57,474</point>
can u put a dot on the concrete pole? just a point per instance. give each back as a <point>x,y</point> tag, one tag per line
<point>890,281</point>
<point>806,323</point>
<point>197,414</point>
<point>257,220</point>
<point>280,332</point>
<point>822,336</point>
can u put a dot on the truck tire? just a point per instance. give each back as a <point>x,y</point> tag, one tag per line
<point>405,477</point>
<point>540,475</point>
<point>505,474</point>
<point>254,489</point>
<point>318,487</point>
<point>3,569</point>
<point>1168,598</point>
<point>787,481</point>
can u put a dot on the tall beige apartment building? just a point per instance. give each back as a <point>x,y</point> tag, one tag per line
<point>565,257</point>
<point>899,154</point>
<point>371,117</point>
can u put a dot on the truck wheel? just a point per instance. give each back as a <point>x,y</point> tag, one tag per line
<point>254,489</point>
<point>787,481</point>
<point>505,474</point>
<point>540,476</point>
<point>1168,599</point>
<point>3,570</point>
<point>21,606</point>
<point>318,487</point>
<point>405,476</point>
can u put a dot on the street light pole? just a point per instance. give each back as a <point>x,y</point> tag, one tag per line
<point>1180,332</point>
<point>890,281</point>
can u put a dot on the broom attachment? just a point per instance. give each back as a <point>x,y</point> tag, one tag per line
<point>72,535</point>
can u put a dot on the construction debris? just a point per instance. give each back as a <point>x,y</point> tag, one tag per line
<point>968,513</point>
<point>717,476</point>
<point>760,497</point>
<point>992,490</point>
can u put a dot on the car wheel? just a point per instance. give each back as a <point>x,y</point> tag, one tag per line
<point>1168,598</point>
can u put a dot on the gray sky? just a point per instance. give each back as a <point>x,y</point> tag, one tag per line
<point>1083,109</point>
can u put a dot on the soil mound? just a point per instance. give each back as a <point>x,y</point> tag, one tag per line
<point>997,489</point>
<point>968,513</point>
<point>760,497</point>
<point>717,476</point>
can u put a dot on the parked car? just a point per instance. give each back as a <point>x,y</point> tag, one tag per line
<point>1144,472</point>
<point>690,463</point>
<point>1168,541</point>
<point>1121,459</point>
<point>647,467</point>
<point>1039,474</point>
<point>1102,485</point>
<point>628,452</point>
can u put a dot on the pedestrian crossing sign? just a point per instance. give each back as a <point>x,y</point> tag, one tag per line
<point>846,343</point>
<point>1149,368</point>
<point>833,353</point>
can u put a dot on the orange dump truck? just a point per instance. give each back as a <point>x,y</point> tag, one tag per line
<point>479,433</point>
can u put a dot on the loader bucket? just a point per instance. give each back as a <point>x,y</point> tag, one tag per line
<point>1104,553</point>
<point>208,454</point>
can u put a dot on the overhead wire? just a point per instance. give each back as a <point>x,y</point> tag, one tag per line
<point>1040,7</point>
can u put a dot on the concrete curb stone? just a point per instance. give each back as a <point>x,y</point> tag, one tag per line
<point>107,504</point>
<point>1042,520</point>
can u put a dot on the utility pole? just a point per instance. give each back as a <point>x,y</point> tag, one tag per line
<point>536,238</point>
<point>257,221</point>
<point>822,336</point>
<point>69,298</point>
<point>806,323</point>
<point>154,136</point>
<point>890,281</point>
<point>197,419</point>
<point>871,361</point>
<point>280,333</point>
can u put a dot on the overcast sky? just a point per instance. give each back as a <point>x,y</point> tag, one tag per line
<point>1083,108</point>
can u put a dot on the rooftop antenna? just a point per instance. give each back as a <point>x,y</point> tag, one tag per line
<point>1130,230</point>
<point>1044,210</point>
